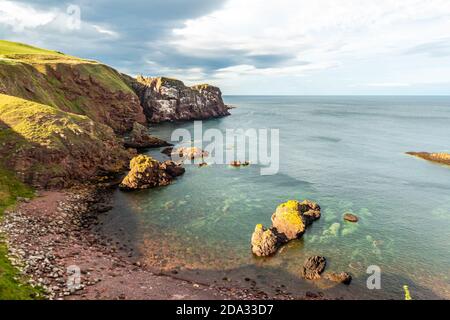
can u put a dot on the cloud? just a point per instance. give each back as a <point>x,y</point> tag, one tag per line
<point>320,46</point>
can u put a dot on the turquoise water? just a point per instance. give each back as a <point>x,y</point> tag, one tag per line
<point>347,154</point>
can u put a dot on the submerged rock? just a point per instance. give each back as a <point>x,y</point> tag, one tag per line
<point>292,217</point>
<point>313,267</point>
<point>265,242</point>
<point>140,138</point>
<point>350,217</point>
<point>146,172</point>
<point>342,277</point>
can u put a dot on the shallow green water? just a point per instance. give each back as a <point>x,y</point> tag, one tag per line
<point>346,153</point>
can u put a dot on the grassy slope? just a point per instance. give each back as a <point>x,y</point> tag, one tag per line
<point>21,63</point>
<point>10,288</point>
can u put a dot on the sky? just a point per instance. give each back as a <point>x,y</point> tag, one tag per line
<point>273,47</point>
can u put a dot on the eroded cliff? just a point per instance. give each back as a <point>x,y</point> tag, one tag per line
<point>165,99</point>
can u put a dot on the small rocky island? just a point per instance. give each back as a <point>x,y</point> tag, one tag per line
<point>442,158</point>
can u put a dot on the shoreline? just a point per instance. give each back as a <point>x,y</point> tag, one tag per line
<point>53,231</point>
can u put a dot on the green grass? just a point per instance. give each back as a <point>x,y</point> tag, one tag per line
<point>41,124</point>
<point>9,47</point>
<point>10,287</point>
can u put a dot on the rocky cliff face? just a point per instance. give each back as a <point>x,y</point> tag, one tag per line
<point>165,99</point>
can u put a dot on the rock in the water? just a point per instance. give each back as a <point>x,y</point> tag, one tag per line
<point>173,169</point>
<point>235,163</point>
<point>265,242</point>
<point>165,99</point>
<point>140,138</point>
<point>310,211</point>
<point>313,267</point>
<point>292,217</point>
<point>350,217</point>
<point>145,172</point>
<point>189,153</point>
<point>342,277</point>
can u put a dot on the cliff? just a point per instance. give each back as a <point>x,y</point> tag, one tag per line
<point>63,119</point>
<point>165,99</point>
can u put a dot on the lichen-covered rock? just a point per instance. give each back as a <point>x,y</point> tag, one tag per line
<point>165,99</point>
<point>342,277</point>
<point>288,220</point>
<point>313,267</point>
<point>139,137</point>
<point>292,217</point>
<point>265,242</point>
<point>145,172</point>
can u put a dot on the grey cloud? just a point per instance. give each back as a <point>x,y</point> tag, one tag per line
<point>143,27</point>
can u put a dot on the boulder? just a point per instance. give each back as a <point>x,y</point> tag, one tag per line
<point>145,172</point>
<point>313,267</point>
<point>292,217</point>
<point>139,137</point>
<point>342,277</point>
<point>265,242</point>
<point>310,211</point>
<point>173,169</point>
<point>350,217</point>
<point>287,219</point>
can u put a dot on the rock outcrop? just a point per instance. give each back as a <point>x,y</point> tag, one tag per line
<point>165,99</point>
<point>140,138</point>
<point>265,242</point>
<point>292,218</point>
<point>146,172</point>
<point>289,222</point>
<point>442,158</point>
<point>313,267</point>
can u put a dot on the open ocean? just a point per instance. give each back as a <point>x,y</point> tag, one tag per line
<point>347,154</point>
